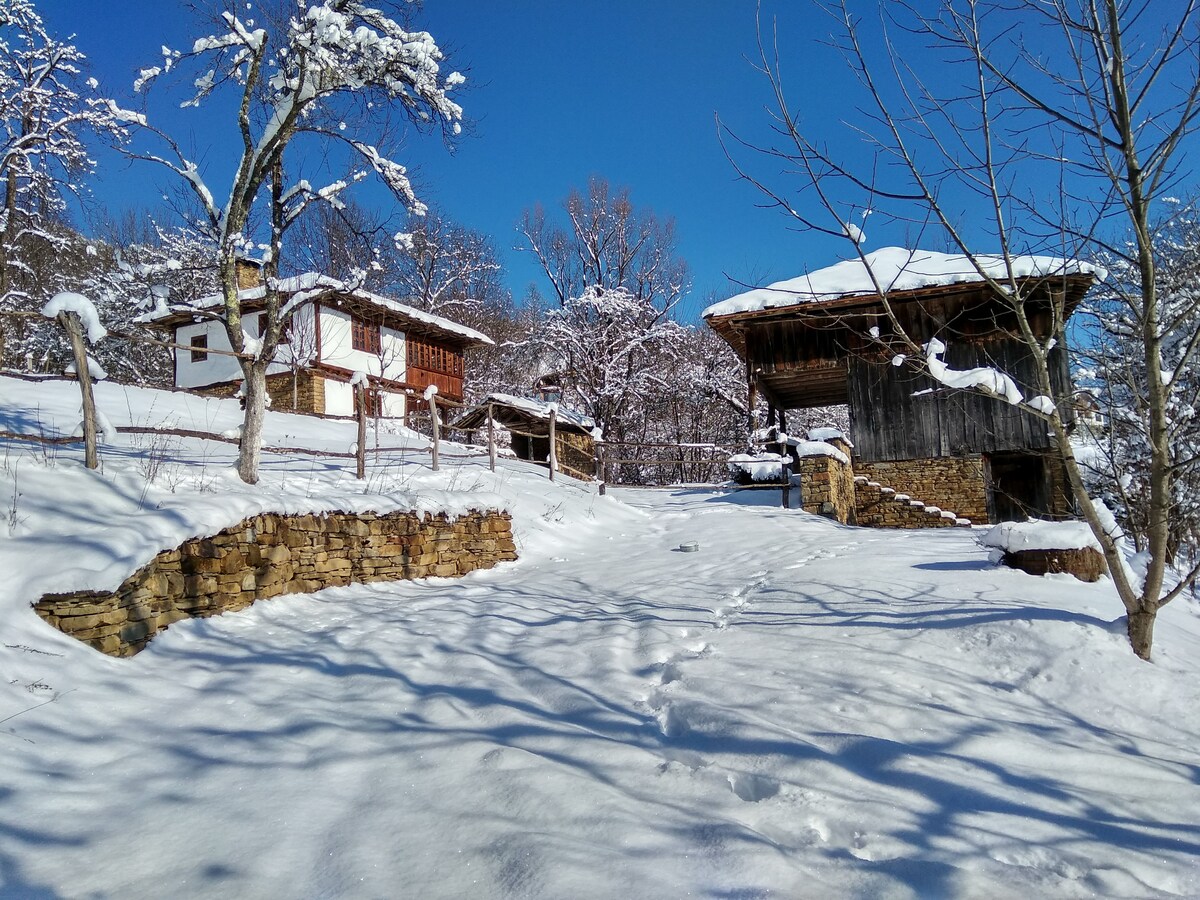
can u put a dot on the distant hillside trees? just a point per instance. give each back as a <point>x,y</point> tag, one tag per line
<point>126,275</point>
<point>608,336</point>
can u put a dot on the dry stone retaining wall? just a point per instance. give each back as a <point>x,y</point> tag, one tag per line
<point>268,555</point>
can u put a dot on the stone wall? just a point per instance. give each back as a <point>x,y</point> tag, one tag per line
<point>954,484</point>
<point>880,506</point>
<point>827,485</point>
<point>576,454</point>
<point>269,555</point>
<point>1085,563</point>
<point>310,391</point>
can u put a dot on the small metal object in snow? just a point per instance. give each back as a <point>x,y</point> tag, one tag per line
<point>689,547</point>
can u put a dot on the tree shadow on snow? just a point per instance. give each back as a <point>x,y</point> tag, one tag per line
<point>308,677</point>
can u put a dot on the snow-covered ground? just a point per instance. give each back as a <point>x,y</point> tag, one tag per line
<point>799,709</point>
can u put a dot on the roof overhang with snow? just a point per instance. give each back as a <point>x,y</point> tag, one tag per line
<point>314,288</point>
<point>523,412</point>
<point>797,335</point>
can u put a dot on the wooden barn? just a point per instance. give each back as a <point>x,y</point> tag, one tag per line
<point>528,423</point>
<point>825,339</point>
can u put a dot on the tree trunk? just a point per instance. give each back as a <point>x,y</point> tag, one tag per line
<point>491,440</point>
<point>6,248</point>
<point>1140,628</point>
<point>254,388</point>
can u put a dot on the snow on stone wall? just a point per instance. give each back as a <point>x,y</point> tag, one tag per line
<point>269,555</point>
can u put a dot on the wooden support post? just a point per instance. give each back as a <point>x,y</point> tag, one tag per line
<point>751,403</point>
<point>553,460</point>
<point>360,451</point>
<point>786,470</point>
<point>783,421</point>
<point>74,328</point>
<point>437,431</point>
<point>491,440</point>
<point>600,468</point>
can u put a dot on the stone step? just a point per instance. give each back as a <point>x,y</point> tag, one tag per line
<point>898,510</point>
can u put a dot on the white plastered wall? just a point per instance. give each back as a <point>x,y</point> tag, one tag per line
<point>217,368</point>
<point>214,368</point>
<point>337,350</point>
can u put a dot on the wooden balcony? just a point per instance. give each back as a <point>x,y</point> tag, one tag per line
<point>449,386</point>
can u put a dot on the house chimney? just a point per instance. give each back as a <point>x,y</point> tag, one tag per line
<point>249,273</point>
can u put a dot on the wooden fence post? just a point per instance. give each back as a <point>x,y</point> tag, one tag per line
<point>491,440</point>
<point>553,441</point>
<point>433,416</point>
<point>70,322</point>
<point>600,468</point>
<point>360,454</point>
<point>786,470</point>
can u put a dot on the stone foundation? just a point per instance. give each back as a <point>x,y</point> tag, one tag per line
<point>881,506</point>
<point>269,555</point>
<point>956,484</point>
<point>310,391</point>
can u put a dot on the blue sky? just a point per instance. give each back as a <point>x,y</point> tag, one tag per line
<point>558,91</point>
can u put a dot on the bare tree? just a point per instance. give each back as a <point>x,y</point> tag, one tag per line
<point>608,243</point>
<point>962,116</point>
<point>347,242</point>
<point>1112,370</point>
<point>324,77</point>
<point>447,269</point>
<point>611,347</point>
<point>615,280</point>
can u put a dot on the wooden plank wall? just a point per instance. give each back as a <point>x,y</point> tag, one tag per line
<point>889,423</point>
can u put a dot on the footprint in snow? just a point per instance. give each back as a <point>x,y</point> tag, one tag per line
<point>670,673</point>
<point>672,721</point>
<point>737,598</point>
<point>674,756</point>
<point>753,788</point>
<point>672,669</point>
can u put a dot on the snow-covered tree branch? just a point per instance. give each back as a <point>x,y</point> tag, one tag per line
<point>297,76</point>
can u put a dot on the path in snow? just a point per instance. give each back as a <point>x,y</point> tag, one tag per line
<point>798,710</point>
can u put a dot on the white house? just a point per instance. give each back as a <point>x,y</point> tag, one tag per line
<point>335,331</point>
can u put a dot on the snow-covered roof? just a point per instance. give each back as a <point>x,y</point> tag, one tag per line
<point>316,284</point>
<point>896,269</point>
<point>540,410</point>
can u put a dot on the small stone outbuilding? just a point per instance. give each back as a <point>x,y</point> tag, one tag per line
<point>528,422</point>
